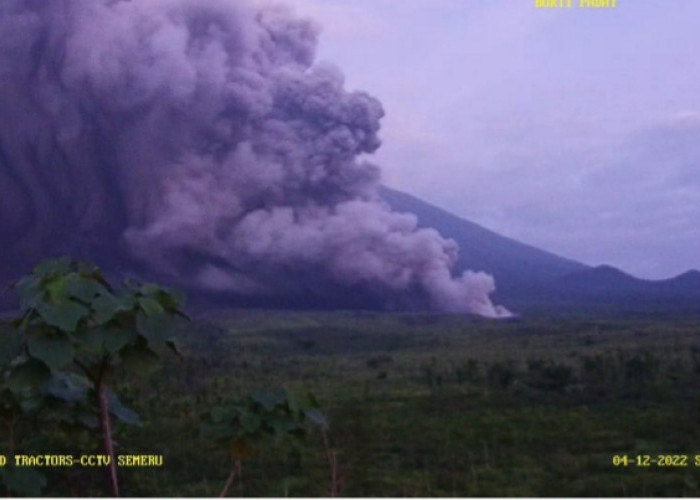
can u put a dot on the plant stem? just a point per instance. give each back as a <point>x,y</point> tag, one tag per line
<point>11,431</point>
<point>236,468</point>
<point>332,458</point>
<point>101,390</point>
<point>11,443</point>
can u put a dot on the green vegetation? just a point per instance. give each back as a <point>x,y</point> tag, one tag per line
<point>418,405</point>
<point>75,338</point>
<point>74,333</point>
<point>242,425</point>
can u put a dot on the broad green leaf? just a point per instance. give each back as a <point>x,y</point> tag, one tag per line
<point>31,403</point>
<point>149,289</point>
<point>87,419</point>
<point>116,338</point>
<point>170,300</point>
<point>126,415</point>
<point>120,411</point>
<point>82,288</point>
<point>106,339</point>
<point>31,373</point>
<point>62,265</point>
<point>54,350</point>
<point>69,388</point>
<point>90,339</point>
<point>150,306</point>
<point>91,271</point>
<point>224,413</point>
<point>218,432</point>
<point>7,398</point>
<point>298,399</point>
<point>175,347</point>
<point>313,401</point>
<point>10,344</point>
<point>23,480</point>
<point>167,300</point>
<point>282,424</point>
<point>87,268</point>
<point>107,306</point>
<point>29,291</point>
<point>22,323</point>
<point>64,316</point>
<point>56,288</point>
<point>139,358</point>
<point>218,413</point>
<point>249,421</point>
<point>155,329</point>
<point>316,416</point>
<point>268,400</point>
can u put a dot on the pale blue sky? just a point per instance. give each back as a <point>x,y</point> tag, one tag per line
<point>574,130</point>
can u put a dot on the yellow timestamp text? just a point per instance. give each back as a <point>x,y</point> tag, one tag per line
<point>581,4</point>
<point>48,460</point>
<point>658,460</point>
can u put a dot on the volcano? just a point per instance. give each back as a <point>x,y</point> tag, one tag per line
<point>200,144</point>
<point>532,279</point>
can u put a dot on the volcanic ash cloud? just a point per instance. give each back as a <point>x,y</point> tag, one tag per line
<point>199,137</point>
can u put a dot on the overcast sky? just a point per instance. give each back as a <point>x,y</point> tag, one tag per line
<point>574,130</point>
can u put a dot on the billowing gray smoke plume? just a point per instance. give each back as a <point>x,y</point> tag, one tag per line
<point>199,138</point>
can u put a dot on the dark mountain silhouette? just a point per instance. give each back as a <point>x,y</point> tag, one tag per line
<point>515,265</point>
<point>530,279</point>
<point>689,280</point>
<point>611,281</point>
<point>607,288</point>
<point>601,278</point>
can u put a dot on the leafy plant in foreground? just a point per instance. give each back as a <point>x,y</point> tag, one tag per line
<point>78,331</point>
<point>15,406</point>
<point>244,425</point>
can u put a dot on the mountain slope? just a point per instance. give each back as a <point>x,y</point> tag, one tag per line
<point>689,280</point>
<point>606,283</point>
<point>528,278</point>
<point>517,267</point>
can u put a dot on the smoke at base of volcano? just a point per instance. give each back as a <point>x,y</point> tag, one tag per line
<point>200,138</point>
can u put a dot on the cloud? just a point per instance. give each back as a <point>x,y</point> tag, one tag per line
<point>536,122</point>
<point>203,141</point>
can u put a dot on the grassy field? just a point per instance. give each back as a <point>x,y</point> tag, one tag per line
<point>420,405</point>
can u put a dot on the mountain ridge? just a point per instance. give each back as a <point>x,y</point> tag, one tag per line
<point>529,278</point>
<point>482,249</point>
